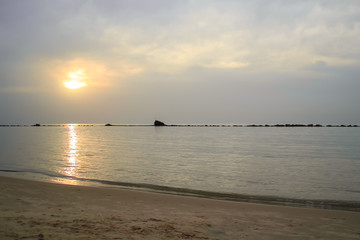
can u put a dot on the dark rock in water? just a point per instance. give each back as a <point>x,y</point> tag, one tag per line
<point>108,125</point>
<point>159,123</point>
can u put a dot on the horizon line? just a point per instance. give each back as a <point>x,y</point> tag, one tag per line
<point>182,125</point>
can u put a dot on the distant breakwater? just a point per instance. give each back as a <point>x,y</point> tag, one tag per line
<point>182,125</point>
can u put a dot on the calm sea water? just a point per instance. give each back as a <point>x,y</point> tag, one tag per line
<point>302,163</point>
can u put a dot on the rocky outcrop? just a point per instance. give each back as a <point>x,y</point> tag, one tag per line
<point>159,123</point>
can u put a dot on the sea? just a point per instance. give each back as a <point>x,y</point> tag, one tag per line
<point>309,166</point>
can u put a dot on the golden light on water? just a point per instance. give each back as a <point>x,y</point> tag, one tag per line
<point>76,79</point>
<point>71,160</point>
<point>72,152</point>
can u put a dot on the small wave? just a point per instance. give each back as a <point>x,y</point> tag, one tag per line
<point>6,170</point>
<point>274,200</point>
<point>354,191</point>
<point>34,172</point>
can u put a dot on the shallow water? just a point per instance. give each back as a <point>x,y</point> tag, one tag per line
<point>302,163</point>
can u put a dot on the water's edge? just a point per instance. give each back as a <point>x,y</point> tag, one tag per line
<point>273,200</point>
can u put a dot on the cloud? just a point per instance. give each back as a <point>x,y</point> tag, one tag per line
<point>216,56</point>
<point>291,37</point>
<point>227,65</point>
<point>174,36</point>
<point>98,73</point>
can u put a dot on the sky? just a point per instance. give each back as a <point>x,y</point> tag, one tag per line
<point>179,61</point>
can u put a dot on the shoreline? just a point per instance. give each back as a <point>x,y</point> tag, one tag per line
<point>41,210</point>
<point>346,205</point>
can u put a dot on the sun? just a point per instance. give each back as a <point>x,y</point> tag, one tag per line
<point>73,84</point>
<point>76,80</point>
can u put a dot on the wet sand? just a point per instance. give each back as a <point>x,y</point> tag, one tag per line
<point>39,210</point>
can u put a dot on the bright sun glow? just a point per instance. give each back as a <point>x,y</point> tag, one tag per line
<point>73,84</point>
<point>76,80</point>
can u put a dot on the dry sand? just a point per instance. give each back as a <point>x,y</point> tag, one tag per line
<point>38,210</point>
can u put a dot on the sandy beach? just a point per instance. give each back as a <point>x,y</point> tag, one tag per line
<point>39,210</point>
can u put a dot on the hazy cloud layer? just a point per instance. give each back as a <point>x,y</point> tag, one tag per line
<point>181,61</point>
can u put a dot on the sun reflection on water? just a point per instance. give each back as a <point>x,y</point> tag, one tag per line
<point>72,151</point>
<point>71,157</point>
